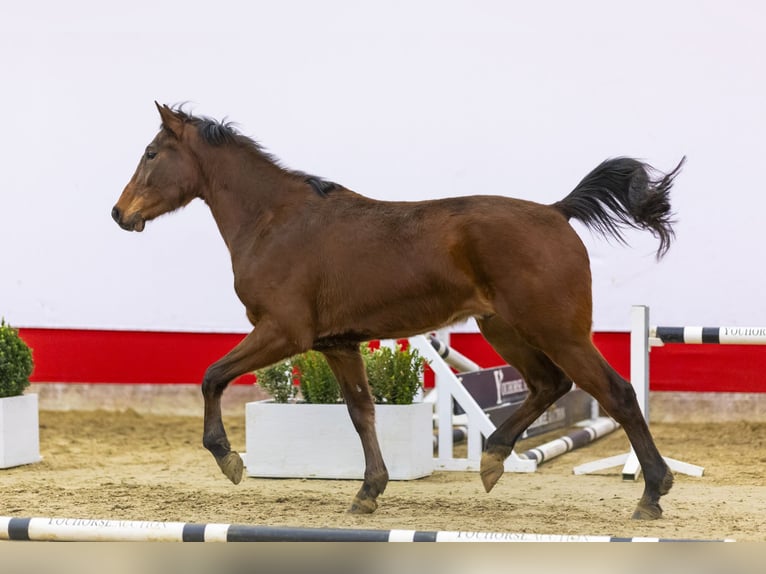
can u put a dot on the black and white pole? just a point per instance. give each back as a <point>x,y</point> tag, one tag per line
<point>99,530</point>
<point>453,358</point>
<point>710,335</point>
<point>577,438</point>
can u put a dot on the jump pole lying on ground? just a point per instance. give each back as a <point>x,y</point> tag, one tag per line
<point>596,428</point>
<point>98,530</point>
<point>642,337</point>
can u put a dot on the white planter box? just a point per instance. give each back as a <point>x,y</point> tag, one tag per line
<point>19,431</point>
<point>319,441</point>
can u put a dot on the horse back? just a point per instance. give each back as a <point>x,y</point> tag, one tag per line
<point>389,269</point>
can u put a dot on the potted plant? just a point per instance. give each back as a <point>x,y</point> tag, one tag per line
<point>313,436</point>
<point>19,424</point>
<point>317,382</point>
<point>395,374</point>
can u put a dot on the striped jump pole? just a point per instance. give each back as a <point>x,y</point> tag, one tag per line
<point>710,335</point>
<point>453,358</point>
<point>98,530</point>
<point>577,438</point>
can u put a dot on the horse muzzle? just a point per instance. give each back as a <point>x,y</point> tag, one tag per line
<point>133,223</point>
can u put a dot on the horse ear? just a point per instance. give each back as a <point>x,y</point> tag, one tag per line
<point>170,120</point>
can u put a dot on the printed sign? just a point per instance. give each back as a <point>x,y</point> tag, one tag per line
<point>499,391</point>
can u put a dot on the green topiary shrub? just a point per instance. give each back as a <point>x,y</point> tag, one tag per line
<point>15,362</point>
<point>395,375</point>
<point>318,384</point>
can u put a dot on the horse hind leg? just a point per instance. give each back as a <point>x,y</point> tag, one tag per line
<point>546,383</point>
<point>348,367</point>
<point>618,398</point>
<point>658,478</point>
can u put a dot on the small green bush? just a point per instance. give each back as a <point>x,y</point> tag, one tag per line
<point>318,384</point>
<point>277,380</point>
<point>395,375</point>
<point>15,362</point>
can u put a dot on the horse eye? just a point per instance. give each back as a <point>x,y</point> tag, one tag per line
<point>151,154</point>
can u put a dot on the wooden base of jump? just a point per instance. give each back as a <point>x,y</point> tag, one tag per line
<point>98,530</point>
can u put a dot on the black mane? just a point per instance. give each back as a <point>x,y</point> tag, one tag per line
<point>218,133</point>
<point>214,132</point>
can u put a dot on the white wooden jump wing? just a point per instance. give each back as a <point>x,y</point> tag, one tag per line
<point>479,424</point>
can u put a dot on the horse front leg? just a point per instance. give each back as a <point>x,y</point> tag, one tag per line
<point>264,346</point>
<point>348,367</point>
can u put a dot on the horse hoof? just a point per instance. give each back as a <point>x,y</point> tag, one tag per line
<point>232,466</point>
<point>492,469</point>
<point>363,506</point>
<point>648,512</point>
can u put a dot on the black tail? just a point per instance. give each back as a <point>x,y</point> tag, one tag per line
<point>624,192</point>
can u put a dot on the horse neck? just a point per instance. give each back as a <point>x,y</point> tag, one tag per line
<point>244,191</point>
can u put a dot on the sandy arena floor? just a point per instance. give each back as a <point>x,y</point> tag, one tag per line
<point>123,465</point>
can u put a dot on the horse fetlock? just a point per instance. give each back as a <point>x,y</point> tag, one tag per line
<point>667,482</point>
<point>648,507</point>
<point>366,500</point>
<point>375,485</point>
<point>492,468</point>
<point>217,443</point>
<point>363,505</point>
<point>232,466</point>
<point>647,511</point>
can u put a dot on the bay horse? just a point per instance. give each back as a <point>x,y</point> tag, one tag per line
<point>318,266</point>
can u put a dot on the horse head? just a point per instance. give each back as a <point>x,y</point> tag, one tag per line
<point>168,175</point>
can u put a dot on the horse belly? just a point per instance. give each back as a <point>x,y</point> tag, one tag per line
<point>393,309</point>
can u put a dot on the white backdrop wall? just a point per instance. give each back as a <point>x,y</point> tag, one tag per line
<point>396,100</point>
